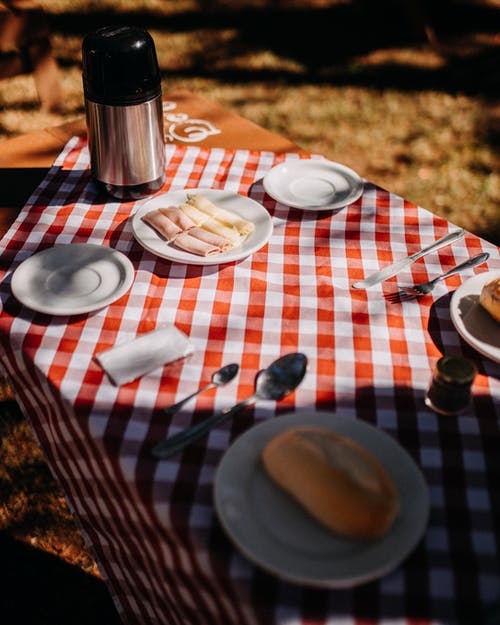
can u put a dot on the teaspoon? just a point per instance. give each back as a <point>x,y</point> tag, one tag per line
<point>219,378</point>
<point>278,380</point>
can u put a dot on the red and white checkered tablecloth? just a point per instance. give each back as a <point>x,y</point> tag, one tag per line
<point>150,524</point>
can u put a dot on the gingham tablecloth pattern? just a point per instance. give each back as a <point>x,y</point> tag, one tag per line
<point>151,525</point>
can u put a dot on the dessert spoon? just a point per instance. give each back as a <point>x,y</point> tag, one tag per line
<point>219,378</point>
<point>279,379</point>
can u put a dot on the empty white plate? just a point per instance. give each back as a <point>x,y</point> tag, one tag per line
<point>313,184</point>
<point>72,279</point>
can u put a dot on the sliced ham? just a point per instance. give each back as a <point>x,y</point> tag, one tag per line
<point>211,238</point>
<point>180,219</point>
<point>194,245</point>
<point>162,224</point>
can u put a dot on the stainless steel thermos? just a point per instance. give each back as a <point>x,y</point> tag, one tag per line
<point>122,89</point>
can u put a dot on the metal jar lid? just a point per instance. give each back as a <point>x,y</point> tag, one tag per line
<point>456,370</point>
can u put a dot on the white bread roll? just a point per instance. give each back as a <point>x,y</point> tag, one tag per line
<point>489,298</point>
<point>335,479</point>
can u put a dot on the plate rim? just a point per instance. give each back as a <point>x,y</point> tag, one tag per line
<point>303,416</point>
<point>355,194</point>
<point>217,259</point>
<point>479,278</point>
<point>123,260</point>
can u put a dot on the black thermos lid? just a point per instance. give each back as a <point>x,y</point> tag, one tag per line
<point>120,66</point>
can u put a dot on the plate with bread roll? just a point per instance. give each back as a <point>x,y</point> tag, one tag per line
<point>475,313</point>
<point>202,226</point>
<point>320,499</point>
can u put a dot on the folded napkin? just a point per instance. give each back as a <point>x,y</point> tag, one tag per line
<point>147,352</point>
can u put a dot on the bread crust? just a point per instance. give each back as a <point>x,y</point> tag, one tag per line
<point>336,480</point>
<point>489,298</point>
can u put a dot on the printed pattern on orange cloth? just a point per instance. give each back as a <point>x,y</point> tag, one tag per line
<point>151,524</point>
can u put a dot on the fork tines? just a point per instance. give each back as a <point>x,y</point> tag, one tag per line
<point>401,296</point>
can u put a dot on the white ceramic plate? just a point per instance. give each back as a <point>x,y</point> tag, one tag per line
<point>474,324</point>
<point>239,204</point>
<point>72,279</point>
<point>313,184</point>
<point>275,533</point>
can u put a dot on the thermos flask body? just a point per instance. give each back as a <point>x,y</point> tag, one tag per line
<point>123,103</point>
<point>127,153</point>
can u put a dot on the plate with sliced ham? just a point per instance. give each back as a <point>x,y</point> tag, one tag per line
<point>202,226</point>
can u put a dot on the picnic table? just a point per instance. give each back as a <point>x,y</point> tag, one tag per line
<point>168,549</point>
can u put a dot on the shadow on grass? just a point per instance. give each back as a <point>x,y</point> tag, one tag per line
<point>324,41</point>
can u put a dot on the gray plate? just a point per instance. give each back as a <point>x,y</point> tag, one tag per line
<point>275,533</point>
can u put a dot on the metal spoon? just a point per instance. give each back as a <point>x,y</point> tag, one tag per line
<point>219,378</point>
<point>278,380</point>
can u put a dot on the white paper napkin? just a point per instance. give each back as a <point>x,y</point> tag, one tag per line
<point>133,359</point>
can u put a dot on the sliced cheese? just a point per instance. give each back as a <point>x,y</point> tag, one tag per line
<point>228,218</point>
<point>227,232</point>
<point>197,216</point>
<point>203,204</point>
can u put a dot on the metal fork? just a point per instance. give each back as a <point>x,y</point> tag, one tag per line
<point>413,292</point>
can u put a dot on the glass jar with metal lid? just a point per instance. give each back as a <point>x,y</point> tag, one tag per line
<point>450,389</point>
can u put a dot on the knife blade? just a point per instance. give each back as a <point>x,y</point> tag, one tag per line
<point>392,270</point>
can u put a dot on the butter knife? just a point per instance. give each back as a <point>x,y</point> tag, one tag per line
<point>392,270</point>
